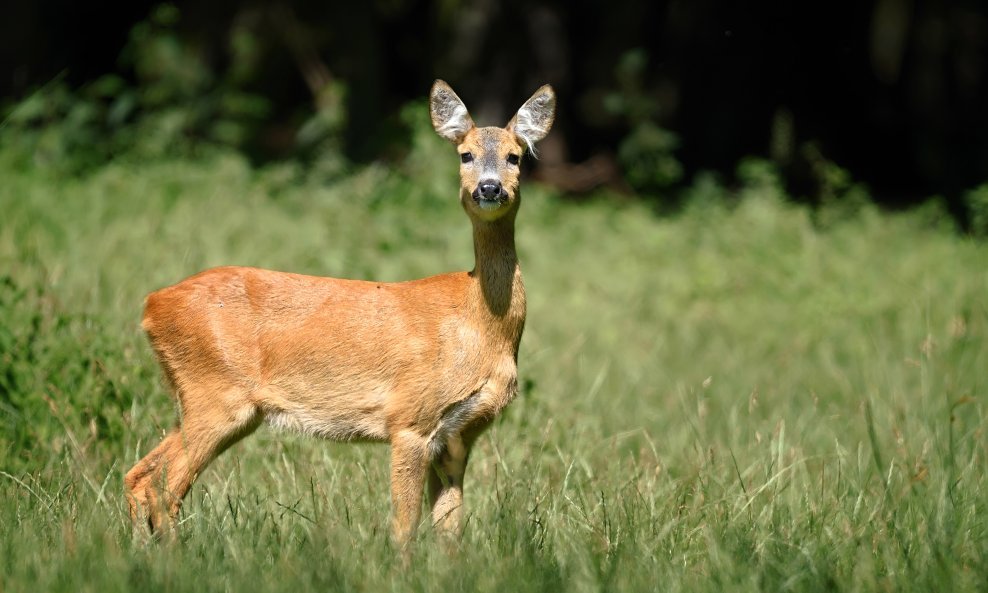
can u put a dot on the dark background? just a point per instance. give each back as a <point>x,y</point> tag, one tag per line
<point>893,91</point>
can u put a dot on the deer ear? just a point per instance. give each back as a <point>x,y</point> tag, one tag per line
<point>533,120</point>
<point>449,114</point>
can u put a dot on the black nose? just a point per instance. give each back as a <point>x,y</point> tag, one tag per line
<point>490,189</point>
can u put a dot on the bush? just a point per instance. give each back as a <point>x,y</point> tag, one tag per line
<point>177,107</point>
<point>646,152</point>
<point>976,202</point>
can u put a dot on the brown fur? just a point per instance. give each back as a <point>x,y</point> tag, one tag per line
<point>424,365</point>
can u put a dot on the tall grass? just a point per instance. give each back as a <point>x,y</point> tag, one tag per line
<point>734,398</point>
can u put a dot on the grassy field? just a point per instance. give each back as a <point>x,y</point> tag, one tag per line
<point>746,396</point>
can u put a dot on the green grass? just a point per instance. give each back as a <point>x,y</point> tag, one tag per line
<point>736,398</point>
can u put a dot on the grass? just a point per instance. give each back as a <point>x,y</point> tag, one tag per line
<point>738,397</point>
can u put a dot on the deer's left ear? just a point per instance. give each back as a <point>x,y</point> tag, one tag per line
<point>534,119</point>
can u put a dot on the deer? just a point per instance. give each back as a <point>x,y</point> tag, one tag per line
<point>424,365</point>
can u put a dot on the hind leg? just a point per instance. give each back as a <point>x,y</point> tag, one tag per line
<point>141,496</point>
<point>158,482</point>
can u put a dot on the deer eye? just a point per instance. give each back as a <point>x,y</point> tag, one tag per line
<point>466,157</point>
<point>513,159</point>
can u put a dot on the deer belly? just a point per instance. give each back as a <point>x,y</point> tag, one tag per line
<point>334,416</point>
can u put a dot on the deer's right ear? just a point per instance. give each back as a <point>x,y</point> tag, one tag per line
<point>449,114</point>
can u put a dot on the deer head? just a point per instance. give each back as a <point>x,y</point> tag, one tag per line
<point>490,156</point>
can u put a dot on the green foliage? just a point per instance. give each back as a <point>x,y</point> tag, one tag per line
<point>726,399</point>
<point>56,395</point>
<point>646,152</point>
<point>976,201</point>
<point>177,107</point>
<point>320,137</point>
<point>64,130</point>
<point>759,179</point>
<point>181,100</point>
<point>706,193</point>
<point>646,155</point>
<point>838,196</point>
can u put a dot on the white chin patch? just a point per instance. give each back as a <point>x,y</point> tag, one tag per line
<point>488,204</point>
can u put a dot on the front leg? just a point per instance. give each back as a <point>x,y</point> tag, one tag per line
<point>409,461</point>
<point>446,487</point>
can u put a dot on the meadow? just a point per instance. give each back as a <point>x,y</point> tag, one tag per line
<point>746,395</point>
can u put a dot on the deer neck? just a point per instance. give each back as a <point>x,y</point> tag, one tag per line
<point>497,273</point>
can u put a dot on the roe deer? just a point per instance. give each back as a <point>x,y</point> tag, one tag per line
<point>425,365</point>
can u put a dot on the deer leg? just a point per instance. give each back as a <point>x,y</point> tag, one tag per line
<point>158,482</point>
<point>446,487</point>
<point>409,461</point>
<point>141,496</point>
